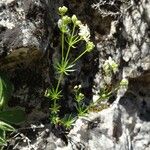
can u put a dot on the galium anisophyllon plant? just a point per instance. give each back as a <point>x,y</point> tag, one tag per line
<point>72,33</point>
<point>79,98</point>
<point>109,68</point>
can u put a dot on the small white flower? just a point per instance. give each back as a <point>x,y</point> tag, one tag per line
<point>95,98</point>
<point>79,86</point>
<point>84,32</point>
<point>59,23</point>
<point>111,62</point>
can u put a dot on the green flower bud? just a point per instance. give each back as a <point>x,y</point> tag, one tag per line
<point>74,19</point>
<point>124,83</point>
<point>114,67</point>
<point>62,10</point>
<point>66,20</point>
<point>78,23</point>
<point>89,46</point>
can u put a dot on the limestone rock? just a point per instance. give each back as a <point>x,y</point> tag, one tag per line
<point>24,33</point>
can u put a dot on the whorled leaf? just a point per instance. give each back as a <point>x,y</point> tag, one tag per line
<point>53,94</point>
<point>64,67</point>
<point>68,121</point>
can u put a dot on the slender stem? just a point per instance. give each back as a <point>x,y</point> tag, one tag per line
<point>79,56</point>
<point>76,41</point>
<point>62,39</point>
<point>70,41</point>
<point>62,43</point>
<point>54,103</point>
<point>58,83</point>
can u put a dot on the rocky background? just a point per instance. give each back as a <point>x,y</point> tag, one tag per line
<point>120,29</point>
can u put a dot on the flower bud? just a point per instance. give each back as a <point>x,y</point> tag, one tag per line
<point>78,23</point>
<point>79,86</point>
<point>89,46</point>
<point>124,83</point>
<point>62,10</point>
<point>74,19</point>
<point>66,20</point>
<point>81,95</point>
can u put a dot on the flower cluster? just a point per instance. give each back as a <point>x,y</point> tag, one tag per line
<point>63,24</point>
<point>84,31</point>
<point>110,66</point>
<point>62,10</point>
<point>124,82</point>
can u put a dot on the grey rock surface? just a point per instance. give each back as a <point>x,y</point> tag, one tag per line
<point>137,52</point>
<point>24,31</point>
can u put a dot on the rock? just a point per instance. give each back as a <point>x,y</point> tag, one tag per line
<point>24,31</point>
<point>138,38</point>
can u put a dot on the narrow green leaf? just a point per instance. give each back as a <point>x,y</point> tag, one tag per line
<point>6,127</point>
<point>14,116</point>
<point>1,88</point>
<point>2,138</point>
<point>3,142</point>
<point>1,91</point>
<point>68,121</point>
<point>2,134</point>
<point>53,94</point>
<point>6,89</point>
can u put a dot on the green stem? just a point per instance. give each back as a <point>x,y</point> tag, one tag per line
<point>76,41</point>
<point>79,56</point>
<point>70,42</point>
<point>58,83</point>
<point>62,43</point>
<point>54,103</point>
<point>62,39</point>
